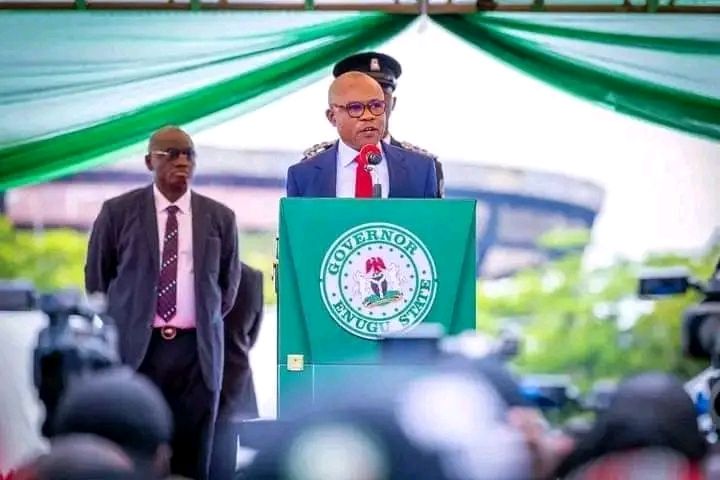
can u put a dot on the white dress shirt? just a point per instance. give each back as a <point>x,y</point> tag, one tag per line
<point>346,166</point>
<point>185,315</point>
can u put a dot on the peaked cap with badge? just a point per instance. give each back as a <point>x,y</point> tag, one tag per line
<point>383,68</point>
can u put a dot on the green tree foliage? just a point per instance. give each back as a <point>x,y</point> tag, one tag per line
<point>589,323</point>
<point>54,258</point>
<point>51,259</point>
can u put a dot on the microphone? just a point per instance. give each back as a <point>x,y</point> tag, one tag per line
<point>372,156</point>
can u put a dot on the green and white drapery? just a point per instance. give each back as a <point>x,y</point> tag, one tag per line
<point>663,68</point>
<point>77,88</point>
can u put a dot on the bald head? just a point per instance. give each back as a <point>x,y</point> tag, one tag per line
<point>358,90</point>
<point>170,136</point>
<point>351,81</point>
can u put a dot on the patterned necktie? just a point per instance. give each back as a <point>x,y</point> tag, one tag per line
<point>363,180</point>
<point>167,283</point>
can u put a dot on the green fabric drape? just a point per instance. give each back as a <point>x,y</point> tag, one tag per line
<point>78,88</point>
<point>81,88</point>
<point>662,68</point>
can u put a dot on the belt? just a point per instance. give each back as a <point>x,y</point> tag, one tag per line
<point>170,332</point>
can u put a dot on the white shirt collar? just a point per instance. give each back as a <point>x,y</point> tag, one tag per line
<point>161,203</point>
<point>346,154</point>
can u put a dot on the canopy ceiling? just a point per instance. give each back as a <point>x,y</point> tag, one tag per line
<point>68,101</point>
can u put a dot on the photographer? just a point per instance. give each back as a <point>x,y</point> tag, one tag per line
<point>700,325</point>
<point>48,341</point>
<point>649,413</point>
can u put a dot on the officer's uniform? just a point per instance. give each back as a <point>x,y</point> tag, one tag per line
<point>386,71</point>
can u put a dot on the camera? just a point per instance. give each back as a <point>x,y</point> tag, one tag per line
<point>76,341</point>
<point>700,323</point>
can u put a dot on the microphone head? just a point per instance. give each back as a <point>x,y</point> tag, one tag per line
<point>371,153</point>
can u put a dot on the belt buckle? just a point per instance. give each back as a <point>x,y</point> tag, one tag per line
<point>168,333</point>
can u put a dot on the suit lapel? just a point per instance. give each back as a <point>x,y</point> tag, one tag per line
<point>148,218</point>
<point>397,171</point>
<point>200,229</point>
<point>326,177</point>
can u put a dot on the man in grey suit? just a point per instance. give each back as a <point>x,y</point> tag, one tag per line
<point>167,259</point>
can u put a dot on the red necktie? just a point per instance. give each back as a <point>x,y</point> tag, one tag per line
<point>363,180</point>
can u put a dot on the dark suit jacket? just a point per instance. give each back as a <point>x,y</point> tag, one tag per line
<point>412,175</point>
<point>242,326</point>
<point>438,167</point>
<point>123,262</point>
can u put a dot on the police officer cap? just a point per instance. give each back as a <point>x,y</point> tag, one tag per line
<point>381,67</point>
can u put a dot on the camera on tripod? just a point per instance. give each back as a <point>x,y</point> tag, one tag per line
<point>701,322</point>
<point>77,341</point>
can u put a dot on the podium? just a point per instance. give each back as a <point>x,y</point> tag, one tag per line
<point>351,272</point>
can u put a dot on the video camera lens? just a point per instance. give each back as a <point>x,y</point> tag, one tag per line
<point>701,331</point>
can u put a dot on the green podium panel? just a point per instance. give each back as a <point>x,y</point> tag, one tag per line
<point>327,382</point>
<point>351,271</point>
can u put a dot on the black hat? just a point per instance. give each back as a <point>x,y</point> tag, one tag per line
<point>119,405</point>
<point>383,68</point>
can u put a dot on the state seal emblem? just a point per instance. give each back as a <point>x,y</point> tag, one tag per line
<point>378,278</point>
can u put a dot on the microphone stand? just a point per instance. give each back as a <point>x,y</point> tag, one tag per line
<point>377,186</point>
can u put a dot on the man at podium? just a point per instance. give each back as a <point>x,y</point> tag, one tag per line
<point>386,71</point>
<point>357,110</point>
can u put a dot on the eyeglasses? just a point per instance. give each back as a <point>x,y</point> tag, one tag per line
<point>173,153</point>
<point>356,109</point>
